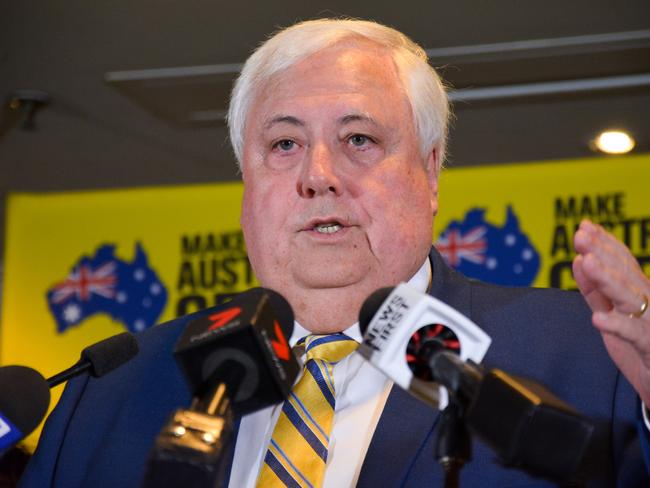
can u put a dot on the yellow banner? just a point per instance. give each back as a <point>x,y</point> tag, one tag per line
<point>82,266</point>
<point>514,224</point>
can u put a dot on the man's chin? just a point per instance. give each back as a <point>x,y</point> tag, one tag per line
<point>319,282</point>
<point>329,277</point>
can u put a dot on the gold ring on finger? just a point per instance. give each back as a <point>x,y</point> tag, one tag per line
<point>642,308</point>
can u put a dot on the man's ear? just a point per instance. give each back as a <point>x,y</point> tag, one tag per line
<point>432,167</point>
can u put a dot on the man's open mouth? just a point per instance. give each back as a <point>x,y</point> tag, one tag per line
<point>328,228</point>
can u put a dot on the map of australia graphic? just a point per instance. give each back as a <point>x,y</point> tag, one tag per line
<point>129,292</point>
<point>478,249</point>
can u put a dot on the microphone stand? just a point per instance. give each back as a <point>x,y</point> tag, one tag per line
<point>190,448</point>
<point>74,370</point>
<point>454,443</point>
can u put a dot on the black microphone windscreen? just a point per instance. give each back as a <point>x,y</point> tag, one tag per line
<point>110,353</point>
<point>283,310</point>
<point>251,331</point>
<point>371,305</point>
<point>24,397</point>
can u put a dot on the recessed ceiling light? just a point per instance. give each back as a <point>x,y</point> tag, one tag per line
<point>614,142</point>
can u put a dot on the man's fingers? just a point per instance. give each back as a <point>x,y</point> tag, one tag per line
<point>608,248</point>
<point>607,273</point>
<point>633,331</point>
<point>596,300</point>
<point>582,240</point>
<point>624,292</point>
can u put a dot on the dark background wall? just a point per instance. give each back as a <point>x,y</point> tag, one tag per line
<point>138,88</point>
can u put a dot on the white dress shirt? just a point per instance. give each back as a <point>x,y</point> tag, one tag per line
<point>361,393</point>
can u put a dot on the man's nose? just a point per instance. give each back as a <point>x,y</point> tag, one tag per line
<point>319,176</point>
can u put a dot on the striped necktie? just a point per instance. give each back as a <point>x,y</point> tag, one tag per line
<point>297,453</point>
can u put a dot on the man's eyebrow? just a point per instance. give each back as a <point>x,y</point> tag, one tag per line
<point>346,119</point>
<point>287,119</point>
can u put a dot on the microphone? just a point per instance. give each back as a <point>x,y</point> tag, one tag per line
<point>396,322</point>
<point>24,398</point>
<point>100,358</point>
<point>25,394</point>
<point>408,333</point>
<point>236,359</point>
<point>251,331</point>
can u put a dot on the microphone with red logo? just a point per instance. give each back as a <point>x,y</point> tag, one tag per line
<point>399,324</point>
<point>236,359</point>
<point>421,343</point>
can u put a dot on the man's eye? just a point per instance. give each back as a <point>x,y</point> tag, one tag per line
<point>284,145</point>
<point>358,140</point>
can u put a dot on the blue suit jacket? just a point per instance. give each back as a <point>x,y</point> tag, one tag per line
<point>101,432</point>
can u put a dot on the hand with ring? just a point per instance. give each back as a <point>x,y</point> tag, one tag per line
<point>644,306</point>
<point>617,290</point>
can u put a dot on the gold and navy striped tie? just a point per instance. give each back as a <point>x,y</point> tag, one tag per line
<point>297,453</point>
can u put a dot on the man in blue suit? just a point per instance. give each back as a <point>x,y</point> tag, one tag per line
<point>339,128</point>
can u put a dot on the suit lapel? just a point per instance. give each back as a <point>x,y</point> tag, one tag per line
<point>397,440</point>
<point>406,424</point>
<point>450,286</point>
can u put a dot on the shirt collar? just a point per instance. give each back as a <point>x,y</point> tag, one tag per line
<point>420,281</point>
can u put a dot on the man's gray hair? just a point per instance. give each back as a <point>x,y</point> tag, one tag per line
<point>287,47</point>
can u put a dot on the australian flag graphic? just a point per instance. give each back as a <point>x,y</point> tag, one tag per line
<point>478,249</point>
<point>130,293</point>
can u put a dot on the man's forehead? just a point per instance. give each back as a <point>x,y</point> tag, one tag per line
<point>348,82</point>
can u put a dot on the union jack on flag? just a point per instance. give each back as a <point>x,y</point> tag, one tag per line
<point>455,245</point>
<point>83,281</point>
